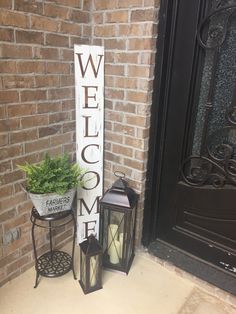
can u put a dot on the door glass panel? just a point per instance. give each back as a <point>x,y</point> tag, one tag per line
<point>214,141</point>
<point>219,74</point>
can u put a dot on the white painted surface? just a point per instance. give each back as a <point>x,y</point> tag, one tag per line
<point>89,95</point>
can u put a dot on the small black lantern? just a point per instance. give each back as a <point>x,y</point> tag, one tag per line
<point>117,225</point>
<point>90,265</point>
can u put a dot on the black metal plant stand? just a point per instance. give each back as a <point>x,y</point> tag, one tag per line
<point>53,263</point>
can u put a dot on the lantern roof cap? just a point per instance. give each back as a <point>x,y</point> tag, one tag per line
<point>91,245</point>
<point>120,194</point>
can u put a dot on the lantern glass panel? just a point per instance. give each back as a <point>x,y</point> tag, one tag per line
<point>114,222</point>
<point>83,269</point>
<point>93,271</point>
<point>130,245</point>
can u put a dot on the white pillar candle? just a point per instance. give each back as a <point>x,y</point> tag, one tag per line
<point>112,235</point>
<point>114,252</point>
<point>93,271</point>
<point>121,238</point>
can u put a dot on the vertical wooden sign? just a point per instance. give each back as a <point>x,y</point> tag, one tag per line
<point>89,94</point>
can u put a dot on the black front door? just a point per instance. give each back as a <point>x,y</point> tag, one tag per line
<point>196,182</point>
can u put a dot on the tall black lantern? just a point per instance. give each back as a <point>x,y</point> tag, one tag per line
<point>117,225</point>
<point>90,265</point>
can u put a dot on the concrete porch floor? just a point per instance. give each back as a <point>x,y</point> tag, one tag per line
<point>148,289</point>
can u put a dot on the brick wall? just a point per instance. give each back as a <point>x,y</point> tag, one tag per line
<point>37,110</point>
<point>37,99</point>
<point>128,31</point>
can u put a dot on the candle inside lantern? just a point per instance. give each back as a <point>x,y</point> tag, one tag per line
<point>112,236</point>
<point>92,271</point>
<point>114,252</point>
<point>121,238</point>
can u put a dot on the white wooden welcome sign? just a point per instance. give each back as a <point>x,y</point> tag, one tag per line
<point>89,93</point>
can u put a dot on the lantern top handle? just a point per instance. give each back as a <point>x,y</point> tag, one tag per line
<point>119,174</point>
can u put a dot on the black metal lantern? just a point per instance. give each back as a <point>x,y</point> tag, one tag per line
<point>90,265</point>
<point>117,225</point>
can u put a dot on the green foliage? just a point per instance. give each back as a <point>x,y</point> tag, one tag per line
<point>52,175</point>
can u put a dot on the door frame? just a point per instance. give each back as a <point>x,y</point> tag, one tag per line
<point>160,105</point>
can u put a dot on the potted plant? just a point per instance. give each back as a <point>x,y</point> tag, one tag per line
<point>52,183</point>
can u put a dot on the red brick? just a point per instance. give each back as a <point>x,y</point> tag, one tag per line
<point>10,152</point>
<point>5,167</point>
<point>136,120</point>
<point>16,265</point>
<point>67,55</point>
<point>31,159</point>
<point>29,6</point>
<point>134,164</point>
<point>33,95</point>
<point>117,16</point>
<point>2,111</point>
<point>143,15</point>
<point>37,145</point>
<point>49,130</point>
<point>21,110</point>
<point>22,136</point>
<point>125,107</point>
<point>130,3</point>
<point>59,117</point>
<point>29,37</point>
<point>6,34</point>
<point>49,107</point>
<point>5,191</point>
<point>79,16</point>
<point>7,4</point>
<point>127,57</point>
<point>114,115</point>
<point>104,4</point>
<point>57,40</point>
<point>30,67</point>
<point>58,67</point>
<point>46,53</point>
<point>125,82</point>
<point>44,23</point>
<point>79,41</point>
<point>18,81</point>
<point>137,96</point>
<point>60,93</point>
<point>67,80</point>
<point>33,121</point>
<point>7,125</point>
<point>12,176</point>
<point>10,18</point>
<point>56,11</point>
<point>117,44</point>
<point>68,127</point>
<point>12,202</point>
<point>61,139</point>
<point>47,81</point>
<point>87,31</point>
<point>15,52</point>
<point>71,3</point>
<point>122,150</point>
<point>114,69</point>
<point>71,28</point>
<point>7,66</point>
<point>141,44</point>
<point>68,104</point>
<point>126,129</point>
<point>114,94</point>
<point>138,71</point>
<point>9,259</point>
<point>8,96</point>
<point>3,139</point>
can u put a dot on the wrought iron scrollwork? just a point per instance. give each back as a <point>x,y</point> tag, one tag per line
<point>216,163</point>
<point>217,34</point>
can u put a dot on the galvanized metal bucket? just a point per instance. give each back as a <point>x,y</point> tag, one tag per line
<point>52,203</point>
